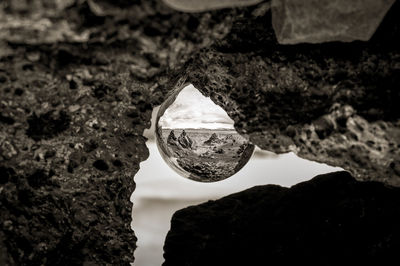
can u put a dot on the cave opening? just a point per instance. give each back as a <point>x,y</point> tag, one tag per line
<point>161,191</point>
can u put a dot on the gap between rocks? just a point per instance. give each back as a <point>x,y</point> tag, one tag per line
<point>160,192</point>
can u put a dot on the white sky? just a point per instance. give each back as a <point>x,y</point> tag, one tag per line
<point>191,109</point>
<point>160,191</point>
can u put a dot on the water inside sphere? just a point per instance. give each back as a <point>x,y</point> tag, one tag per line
<point>197,139</point>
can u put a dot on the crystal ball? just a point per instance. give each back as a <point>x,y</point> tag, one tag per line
<point>197,139</point>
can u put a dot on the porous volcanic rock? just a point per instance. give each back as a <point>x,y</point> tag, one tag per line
<point>79,79</point>
<point>330,220</point>
<point>335,103</point>
<point>78,82</point>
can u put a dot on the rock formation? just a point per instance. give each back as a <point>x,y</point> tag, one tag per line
<point>184,140</point>
<point>229,138</point>
<point>335,103</point>
<point>319,21</point>
<point>171,140</point>
<point>79,79</point>
<point>212,140</point>
<point>330,220</point>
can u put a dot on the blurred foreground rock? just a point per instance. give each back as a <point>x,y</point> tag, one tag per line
<point>316,21</point>
<point>330,220</point>
<point>207,5</point>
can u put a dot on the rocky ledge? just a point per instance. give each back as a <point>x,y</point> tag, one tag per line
<point>79,78</point>
<point>335,103</point>
<point>330,220</point>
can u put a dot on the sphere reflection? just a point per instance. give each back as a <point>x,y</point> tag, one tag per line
<point>197,138</point>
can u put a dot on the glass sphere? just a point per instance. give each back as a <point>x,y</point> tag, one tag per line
<point>197,138</point>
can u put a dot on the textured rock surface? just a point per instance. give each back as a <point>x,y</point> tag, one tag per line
<point>316,21</point>
<point>335,103</point>
<point>330,220</point>
<point>78,81</point>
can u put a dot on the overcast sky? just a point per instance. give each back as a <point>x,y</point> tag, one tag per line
<point>192,109</point>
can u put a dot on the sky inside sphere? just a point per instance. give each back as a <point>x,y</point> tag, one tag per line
<point>191,109</point>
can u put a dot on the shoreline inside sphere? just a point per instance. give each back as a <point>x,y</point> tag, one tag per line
<point>197,139</point>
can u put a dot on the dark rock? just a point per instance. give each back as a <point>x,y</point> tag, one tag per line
<point>57,55</point>
<point>90,146</point>
<point>47,125</point>
<point>330,96</point>
<point>172,140</point>
<point>27,203</point>
<point>323,127</point>
<point>72,165</point>
<point>102,90</point>
<point>185,141</point>
<point>330,220</point>
<point>213,140</point>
